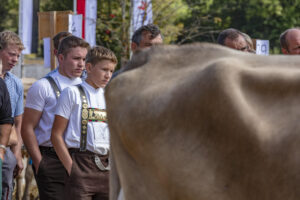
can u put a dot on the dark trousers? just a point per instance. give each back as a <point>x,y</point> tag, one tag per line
<point>50,176</point>
<point>86,181</point>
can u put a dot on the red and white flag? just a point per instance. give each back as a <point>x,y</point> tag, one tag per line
<point>88,9</point>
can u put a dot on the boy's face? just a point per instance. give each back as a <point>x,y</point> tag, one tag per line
<point>100,74</point>
<point>72,64</point>
<point>10,56</point>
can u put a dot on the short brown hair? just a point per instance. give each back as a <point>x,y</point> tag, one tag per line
<point>9,37</point>
<point>71,42</point>
<point>230,33</point>
<point>58,36</point>
<point>138,34</point>
<point>99,53</point>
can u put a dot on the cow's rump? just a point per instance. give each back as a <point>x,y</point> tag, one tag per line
<point>206,122</point>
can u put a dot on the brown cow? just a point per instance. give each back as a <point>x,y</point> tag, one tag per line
<point>206,122</point>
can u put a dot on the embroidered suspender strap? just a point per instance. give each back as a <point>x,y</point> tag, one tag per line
<point>84,118</point>
<point>54,86</point>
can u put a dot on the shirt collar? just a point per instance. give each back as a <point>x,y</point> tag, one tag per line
<point>62,78</point>
<point>7,75</point>
<point>91,88</point>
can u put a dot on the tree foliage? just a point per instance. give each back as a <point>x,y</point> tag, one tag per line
<point>9,15</point>
<point>261,19</point>
<point>181,21</point>
<point>113,21</point>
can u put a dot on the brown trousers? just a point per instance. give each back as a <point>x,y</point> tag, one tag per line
<point>50,176</point>
<point>86,181</point>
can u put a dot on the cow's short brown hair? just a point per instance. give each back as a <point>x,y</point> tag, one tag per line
<point>99,53</point>
<point>9,37</point>
<point>71,42</point>
<point>56,39</point>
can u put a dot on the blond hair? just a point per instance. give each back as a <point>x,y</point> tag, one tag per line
<point>10,38</point>
<point>99,53</point>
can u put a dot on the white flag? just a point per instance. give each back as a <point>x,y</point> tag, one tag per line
<point>90,21</point>
<point>75,25</point>
<point>141,14</point>
<point>25,24</point>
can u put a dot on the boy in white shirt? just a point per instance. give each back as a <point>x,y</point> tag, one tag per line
<point>39,113</point>
<point>80,133</point>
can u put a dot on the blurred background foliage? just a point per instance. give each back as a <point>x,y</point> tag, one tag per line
<point>181,21</point>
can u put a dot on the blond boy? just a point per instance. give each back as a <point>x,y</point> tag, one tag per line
<point>80,134</point>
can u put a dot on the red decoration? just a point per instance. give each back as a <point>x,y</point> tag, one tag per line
<point>143,6</point>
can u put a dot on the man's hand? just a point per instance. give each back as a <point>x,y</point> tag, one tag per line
<point>36,164</point>
<point>19,166</point>
<point>69,168</point>
<point>2,152</point>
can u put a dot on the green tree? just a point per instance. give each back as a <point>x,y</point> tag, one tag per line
<point>261,19</point>
<point>9,10</point>
<point>113,21</point>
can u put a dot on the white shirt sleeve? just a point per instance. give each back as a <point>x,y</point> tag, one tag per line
<point>37,95</point>
<point>65,103</point>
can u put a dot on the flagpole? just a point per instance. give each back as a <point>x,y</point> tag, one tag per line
<point>75,7</point>
<point>20,64</point>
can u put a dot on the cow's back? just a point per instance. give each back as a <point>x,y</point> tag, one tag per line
<point>206,122</point>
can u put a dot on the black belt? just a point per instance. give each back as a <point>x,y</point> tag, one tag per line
<point>49,151</point>
<point>77,150</point>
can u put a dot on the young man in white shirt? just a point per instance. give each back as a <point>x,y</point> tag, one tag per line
<point>39,116</point>
<point>80,133</point>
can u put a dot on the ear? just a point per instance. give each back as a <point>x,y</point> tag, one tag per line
<point>55,52</point>
<point>284,51</point>
<point>134,46</point>
<point>60,57</point>
<point>88,67</point>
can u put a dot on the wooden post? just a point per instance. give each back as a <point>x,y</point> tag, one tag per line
<point>51,23</point>
<point>52,33</point>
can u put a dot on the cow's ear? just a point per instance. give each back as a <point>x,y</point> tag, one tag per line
<point>134,46</point>
<point>284,51</point>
